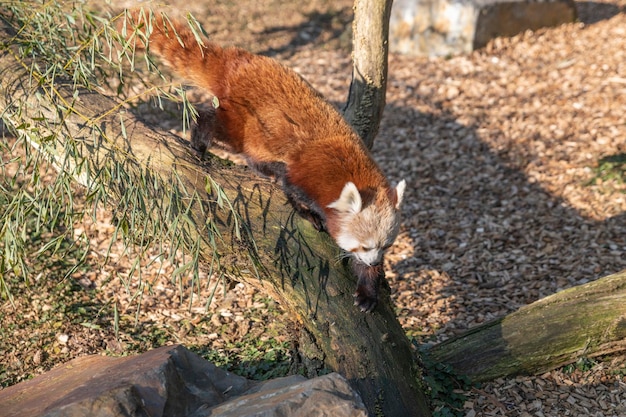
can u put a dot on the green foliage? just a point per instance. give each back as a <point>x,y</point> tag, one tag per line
<point>583,364</point>
<point>610,168</point>
<point>445,388</point>
<point>619,372</point>
<point>63,44</point>
<point>30,210</point>
<point>258,360</point>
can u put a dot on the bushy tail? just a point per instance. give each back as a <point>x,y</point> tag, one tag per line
<point>185,50</point>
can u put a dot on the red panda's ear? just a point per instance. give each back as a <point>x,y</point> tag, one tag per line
<point>396,194</point>
<point>349,201</point>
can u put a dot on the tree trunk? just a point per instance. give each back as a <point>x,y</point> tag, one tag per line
<point>366,100</point>
<point>258,238</point>
<point>584,321</point>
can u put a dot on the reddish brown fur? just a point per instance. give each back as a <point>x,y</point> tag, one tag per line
<point>269,113</point>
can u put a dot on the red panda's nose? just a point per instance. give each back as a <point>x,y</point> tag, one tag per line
<point>377,261</point>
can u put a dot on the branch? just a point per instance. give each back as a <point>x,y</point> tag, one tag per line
<point>366,100</point>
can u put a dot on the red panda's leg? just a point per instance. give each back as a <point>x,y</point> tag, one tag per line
<point>368,281</point>
<point>303,204</point>
<point>203,130</point>
<point>274,170</point>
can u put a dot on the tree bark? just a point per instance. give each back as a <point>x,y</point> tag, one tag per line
<point>584,321</point>
<point>366,100</point>
<point>257,239</point>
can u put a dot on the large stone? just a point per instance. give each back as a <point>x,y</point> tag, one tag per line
<point>172,381</point>
<point>450,27</point>
<point>325,396</point>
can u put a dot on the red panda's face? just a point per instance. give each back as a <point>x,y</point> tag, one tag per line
<point>366,232</point>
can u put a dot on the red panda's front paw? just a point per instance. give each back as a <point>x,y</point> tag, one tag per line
<point>202,131</point>
<point>369,276</point>
<point>365,300</point>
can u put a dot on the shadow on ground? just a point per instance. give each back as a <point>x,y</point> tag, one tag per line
<point>473,216</point>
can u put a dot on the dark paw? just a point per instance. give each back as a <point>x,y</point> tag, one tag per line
<point>368,281</point>
<point>202,131</point>
<point>365,300</point>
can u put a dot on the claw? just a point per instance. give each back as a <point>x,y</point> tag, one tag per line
<point>365,304</point>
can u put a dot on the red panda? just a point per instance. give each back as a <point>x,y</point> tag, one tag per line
<point>287,130</point>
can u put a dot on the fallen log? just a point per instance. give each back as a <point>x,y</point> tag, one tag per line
<point>584,321</point>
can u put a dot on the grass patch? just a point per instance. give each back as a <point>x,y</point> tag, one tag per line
<point>260,360</point>
<point>610,168</point>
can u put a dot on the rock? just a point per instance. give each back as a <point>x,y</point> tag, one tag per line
<point>449,27</point>
<point>328,395</point>
<point>172,381</point>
